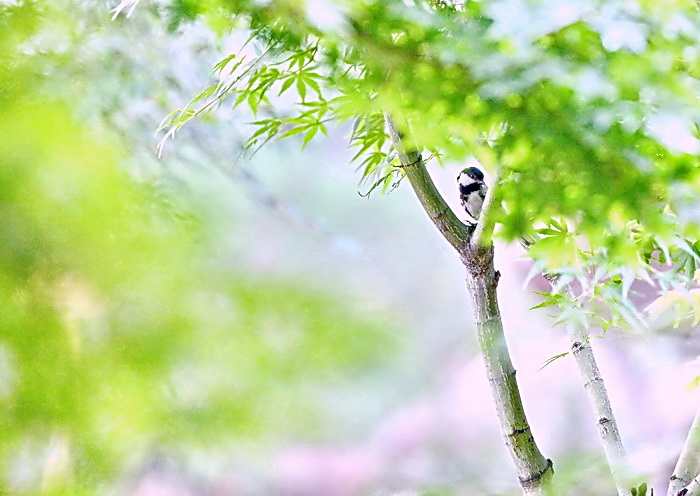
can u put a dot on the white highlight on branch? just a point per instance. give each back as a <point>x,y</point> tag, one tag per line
<point>130,4</point>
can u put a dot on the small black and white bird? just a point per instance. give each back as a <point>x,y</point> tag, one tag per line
<point>472,191</point>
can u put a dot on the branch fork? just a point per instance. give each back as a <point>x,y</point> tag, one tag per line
<point>474,246</point>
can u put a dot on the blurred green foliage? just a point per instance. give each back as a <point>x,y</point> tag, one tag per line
<point>119,332</point>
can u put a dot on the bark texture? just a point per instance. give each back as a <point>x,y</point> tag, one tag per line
<point>534,471</point>
<point>598,397</point>
<point>595,388</point>
<point>692,489</point>
<point>688,466</point>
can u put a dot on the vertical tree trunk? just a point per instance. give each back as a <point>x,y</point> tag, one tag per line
<point>534,471</point>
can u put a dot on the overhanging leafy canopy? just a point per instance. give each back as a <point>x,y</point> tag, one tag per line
<point>589,106</point>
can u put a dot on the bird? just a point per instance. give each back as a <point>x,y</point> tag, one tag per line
<point>472,191</point>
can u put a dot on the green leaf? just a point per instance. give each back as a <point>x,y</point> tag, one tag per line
<point>547,231</point>
<point>253,101</point>
<point>378,182</point>
<point>310,133</point>
<point>241,98</point>
<point>219,66</point>
<point>553,359</point>
<point>258,132</point>
<point>546,303</point>
<point>205,93</point>
<point>640,491</point>
<point>314,85</point>
<point>558,251</point>
<point>548,295</point>
<point>301,88</point>
<point>291,132</point>
<point>286,85</point>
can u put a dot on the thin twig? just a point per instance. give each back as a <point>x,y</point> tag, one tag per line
<point>484,229</point>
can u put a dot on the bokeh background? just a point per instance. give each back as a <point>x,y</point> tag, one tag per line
<point>210,322</point>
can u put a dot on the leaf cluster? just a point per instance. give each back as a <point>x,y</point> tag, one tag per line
<point>566,114</point>
<point>573,118</point>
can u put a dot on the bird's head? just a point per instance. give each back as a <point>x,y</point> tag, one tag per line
<point>469,176</point>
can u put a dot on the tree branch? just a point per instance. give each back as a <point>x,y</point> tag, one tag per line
<point>598,397</point>
<point>595,388</point>
<point>484,229</point>
<point>692,489</point>
<point>534,470</point>
<point>688,464</point>
<point>452,229</point>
